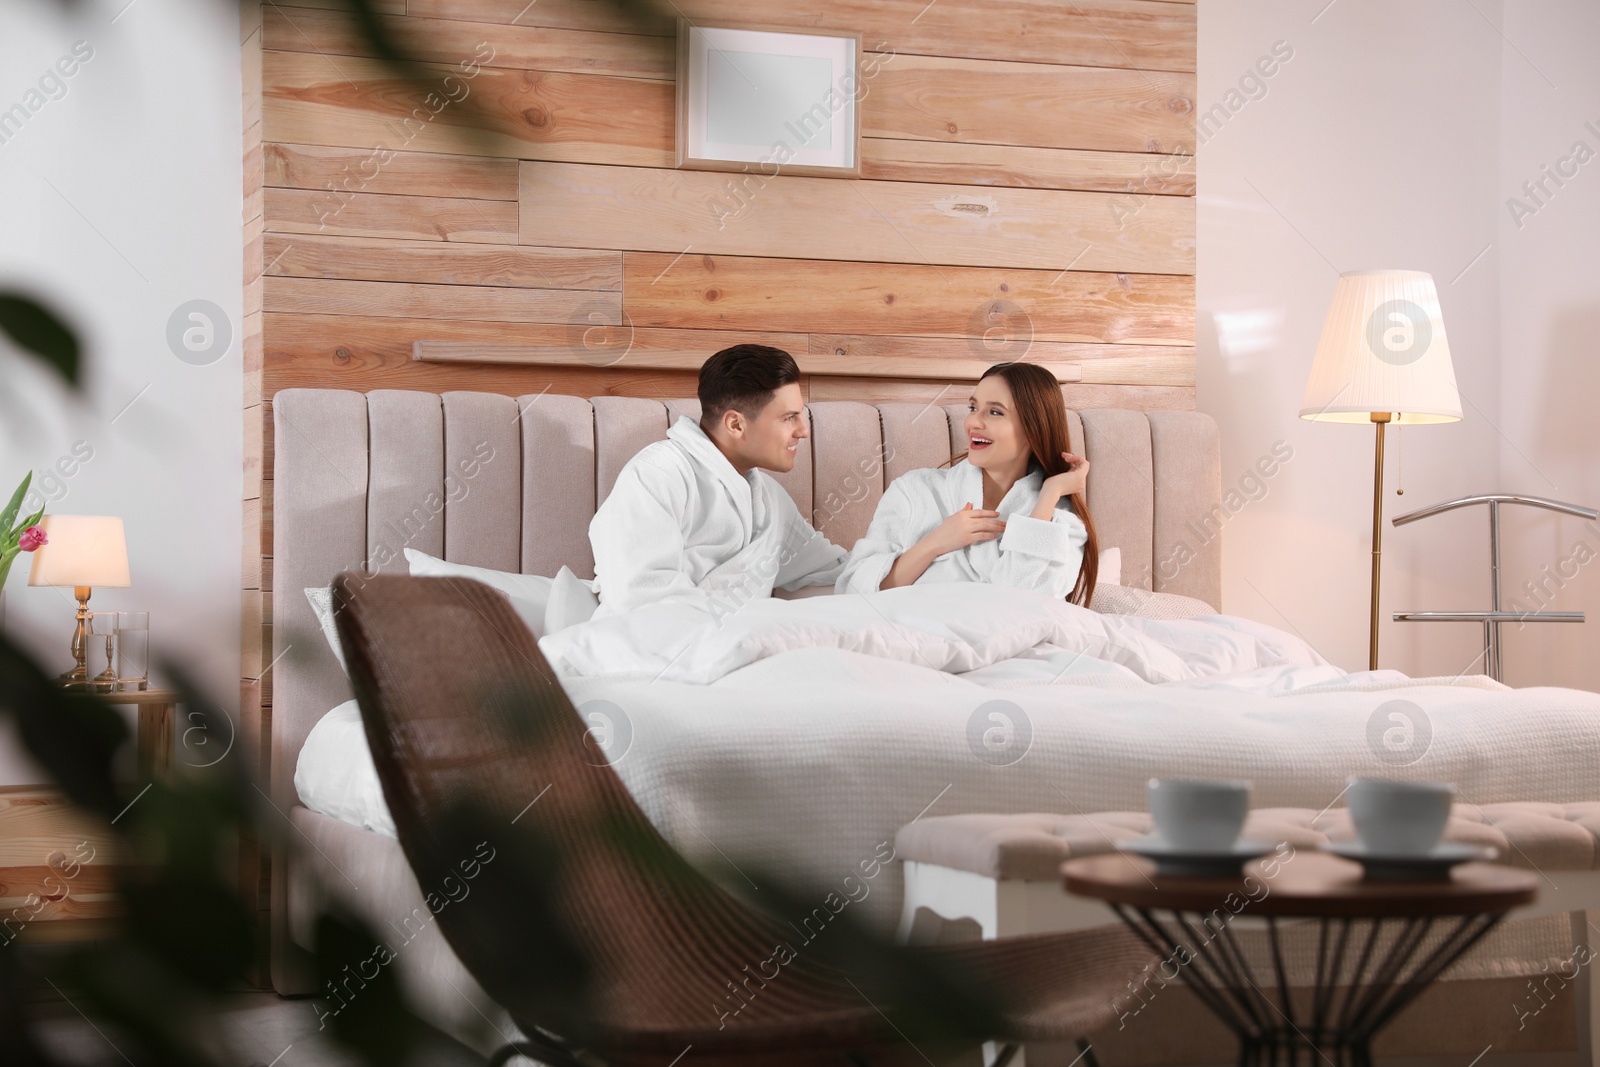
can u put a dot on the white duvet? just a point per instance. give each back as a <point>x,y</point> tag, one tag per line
<point>792,738</point>
<point>951,628</point>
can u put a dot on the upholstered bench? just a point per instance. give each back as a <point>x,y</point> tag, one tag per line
<point>1002,872</point>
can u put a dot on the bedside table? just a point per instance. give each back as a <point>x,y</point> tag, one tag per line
<point>154,737</point>
<point>56,862</point>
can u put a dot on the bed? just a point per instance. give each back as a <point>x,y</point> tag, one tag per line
<point>801,759</point>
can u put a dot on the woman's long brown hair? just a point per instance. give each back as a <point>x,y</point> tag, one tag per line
<point>1042,414</point>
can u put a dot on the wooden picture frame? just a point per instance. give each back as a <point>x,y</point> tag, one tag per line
<point>796,108</point>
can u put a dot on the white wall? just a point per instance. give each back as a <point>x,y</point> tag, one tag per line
<point>1375,145</point>
<point>120,201</point>
<point>1550,329</point>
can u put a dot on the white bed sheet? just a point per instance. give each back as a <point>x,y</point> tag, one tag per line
<point>807,732</point>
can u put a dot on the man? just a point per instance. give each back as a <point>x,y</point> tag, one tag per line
<point>695,518</point>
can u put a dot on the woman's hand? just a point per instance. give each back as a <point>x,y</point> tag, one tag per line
<point>966,527</point>
<point>1073,480</point>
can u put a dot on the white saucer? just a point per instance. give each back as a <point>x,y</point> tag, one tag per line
<point>1189,862</point>
<point>1431,866</point>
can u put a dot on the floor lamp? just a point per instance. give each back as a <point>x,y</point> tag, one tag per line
<point>1382,359</point>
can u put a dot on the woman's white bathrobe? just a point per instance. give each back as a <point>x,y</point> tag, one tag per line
<point>1031,554</point>
<point>682,523</point>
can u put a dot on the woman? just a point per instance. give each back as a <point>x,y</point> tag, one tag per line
<point>1012,513</point>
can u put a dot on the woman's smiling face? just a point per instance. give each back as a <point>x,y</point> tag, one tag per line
<point>994,437</point>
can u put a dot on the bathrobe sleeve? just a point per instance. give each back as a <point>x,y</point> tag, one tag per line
<point>638,539</point>
<point>1041,555</point>
<point>807,557</point>
<point>895,527</point>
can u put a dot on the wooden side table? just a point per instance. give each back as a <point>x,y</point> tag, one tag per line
<point>1359,987</point>
<point>157,707</point>
<point>56,863</point>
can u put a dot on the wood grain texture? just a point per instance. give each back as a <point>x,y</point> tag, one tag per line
<point>953,163</point>
<point>598,344</point>
<point>424,218</point>
<point>728,292</point>
<point>250,59</point>
<point>353,352</point>
<point>352,102</point>
<point>251,358</point>
<point>446,263</point>
<point>354,170</point>
<point>445,40</point>
<point>316,296</point>
<point>253,166</point>
<point>34,823</point>
<point>253,438</point>
<point>812,361</point>
<point>1032,104</point>
<point>881,390</point>
<point>584,206</point>
<point>384,7</point>
<point>253,544</point>
<point>1094,363</point>
<point>550,14</point>
<point>1105,33</point>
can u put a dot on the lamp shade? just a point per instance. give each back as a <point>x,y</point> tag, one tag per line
<point>1383,349</point>
<point>82,550</point>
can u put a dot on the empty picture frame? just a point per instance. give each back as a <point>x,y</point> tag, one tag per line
<point>753,99</point>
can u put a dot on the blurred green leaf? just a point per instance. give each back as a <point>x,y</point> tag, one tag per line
<point>41,332</point>
<point>72,734</point>
<point>362,1005</point>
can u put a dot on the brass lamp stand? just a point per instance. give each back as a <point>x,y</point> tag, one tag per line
<point>78,676</point>
<point>1380,419</point>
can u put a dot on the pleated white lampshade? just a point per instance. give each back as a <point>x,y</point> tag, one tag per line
<point>82,550</point>
<point>1383,348</point>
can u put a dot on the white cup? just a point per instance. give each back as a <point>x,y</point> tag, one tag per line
<point>1201,814</point>
<point>1399,818</point>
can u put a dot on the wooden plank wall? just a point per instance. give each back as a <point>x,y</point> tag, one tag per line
<point>1027,188</point>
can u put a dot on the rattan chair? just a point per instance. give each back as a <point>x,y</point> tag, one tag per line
<point>461,707</point>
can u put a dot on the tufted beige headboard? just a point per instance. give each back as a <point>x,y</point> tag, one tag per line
<point>511,483</point>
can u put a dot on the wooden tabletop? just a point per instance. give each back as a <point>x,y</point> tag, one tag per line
<point>1308,883</point>
<point>138,696</point>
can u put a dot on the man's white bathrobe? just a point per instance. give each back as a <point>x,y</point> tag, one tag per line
<point>683,524</point>
<point>1031,554</point>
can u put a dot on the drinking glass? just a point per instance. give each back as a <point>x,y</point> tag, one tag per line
<point>133,650</point>
<point>100,651</point>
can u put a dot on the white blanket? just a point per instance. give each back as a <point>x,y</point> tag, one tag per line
<point>953,628</point>
<point>796,737</point>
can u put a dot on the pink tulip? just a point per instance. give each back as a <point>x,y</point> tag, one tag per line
<point>33,537</point>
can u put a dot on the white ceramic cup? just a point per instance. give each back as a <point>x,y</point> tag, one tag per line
<point>1196,813</point>
<point>1399,818</point>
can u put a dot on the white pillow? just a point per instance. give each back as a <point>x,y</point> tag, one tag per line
<point>1127,600</point>
<point>529,594</point>
<point>1110,567</point>
<point>572,601</point>
<point>335,774</point>
<point>321,598</point>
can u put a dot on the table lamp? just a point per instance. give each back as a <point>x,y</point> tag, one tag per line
<point>83,551</point>
<point>1382,358</point>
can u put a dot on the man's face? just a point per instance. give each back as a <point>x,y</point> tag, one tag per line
<point>771,439</point>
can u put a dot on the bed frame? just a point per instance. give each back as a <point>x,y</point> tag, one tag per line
<point>511,483</point>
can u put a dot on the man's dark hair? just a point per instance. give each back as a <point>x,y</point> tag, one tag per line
<point>743,379</point>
